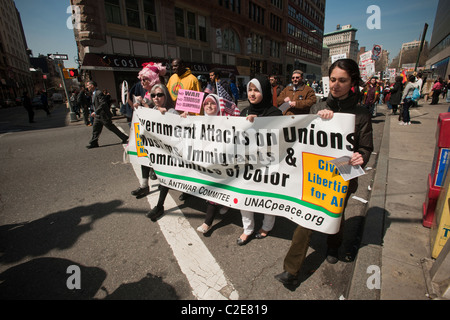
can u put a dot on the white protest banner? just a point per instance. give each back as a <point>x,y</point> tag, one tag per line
<point>276,165</point>
<point>189,100</point>
<point>338,57</point>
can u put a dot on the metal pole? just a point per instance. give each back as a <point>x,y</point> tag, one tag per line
<point>73,117</point>
<point>421,45</point>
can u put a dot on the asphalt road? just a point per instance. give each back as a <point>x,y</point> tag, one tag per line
<point>63,205</point>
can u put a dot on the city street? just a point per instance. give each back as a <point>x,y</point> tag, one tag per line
<point>64,205</point>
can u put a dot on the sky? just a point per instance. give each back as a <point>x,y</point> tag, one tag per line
<point>46,30</point>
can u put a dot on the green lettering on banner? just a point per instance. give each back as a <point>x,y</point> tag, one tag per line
<point>248,192</point>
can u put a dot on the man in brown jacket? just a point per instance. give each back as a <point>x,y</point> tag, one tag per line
<point>299,96</point>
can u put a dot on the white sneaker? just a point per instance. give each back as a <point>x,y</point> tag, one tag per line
<point>402,123</point>
<point>409,123</point>
<point>201,229</point>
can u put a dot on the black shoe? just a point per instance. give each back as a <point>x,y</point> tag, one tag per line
<point>91,146</point>
<point>153,174</point>
<point>183,196</point>
<point>125,141</point>
<point>241,242</point>
<point>155,213</point>
<point>287,278</point>
<point>140,192</point>
<point>332,256</point>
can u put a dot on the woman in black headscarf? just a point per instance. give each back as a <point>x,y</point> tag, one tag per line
<point>259,95</point>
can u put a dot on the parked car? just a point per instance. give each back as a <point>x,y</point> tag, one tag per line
<point>57,98</point>
<point>37,103</point>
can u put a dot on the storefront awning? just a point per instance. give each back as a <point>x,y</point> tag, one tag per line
<point>108,62</point>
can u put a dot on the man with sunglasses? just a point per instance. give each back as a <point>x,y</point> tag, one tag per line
<point>298,95</point>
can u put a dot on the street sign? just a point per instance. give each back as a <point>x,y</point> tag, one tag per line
<point>57,56</point>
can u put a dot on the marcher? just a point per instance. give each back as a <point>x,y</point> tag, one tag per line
<point>437,87</point>
<point>181,79</point>
<point>161,101</point>
<point>212,107</point>
<point>299,96</point>
<point>371,93</point>
<point>102,116</point>
<point>259,94</point>
<point>150,76</point>
<point>344,74</point>
<point>215,77</point>
<point>26,101</point>
<point>396,94</point>
<point>407,100</point>
<point>233,88</point>
<point>276,88</point>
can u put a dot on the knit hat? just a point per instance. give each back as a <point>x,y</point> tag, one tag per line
<point>152,71</point>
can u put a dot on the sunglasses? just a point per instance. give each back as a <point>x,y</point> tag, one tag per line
<point>295,77</point>
<point>159,95</point>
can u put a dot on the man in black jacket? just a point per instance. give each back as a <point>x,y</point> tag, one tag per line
<point>102,116</point>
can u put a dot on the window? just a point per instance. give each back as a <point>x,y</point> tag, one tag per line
<point>132,7</point>
<point>112,9</point>
<point>179,22</point>
<point>230,41</point>
<point>202,28</point>
<point>191,25</point>
<point>257,44</point>
<point>256,13</point>
<point>150,15</point>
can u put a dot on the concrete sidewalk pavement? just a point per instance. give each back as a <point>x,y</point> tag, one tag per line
<point>395,245</point>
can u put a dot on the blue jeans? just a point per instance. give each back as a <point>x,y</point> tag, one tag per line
<point>407,102</point>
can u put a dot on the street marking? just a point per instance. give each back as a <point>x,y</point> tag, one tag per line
<point>206,278</point>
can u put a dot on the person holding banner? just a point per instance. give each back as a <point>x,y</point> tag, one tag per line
<point>259,93</point>
<point>344,75</point>
<point>161,101</point>
<point>212,107</point>
<point>151,75</point>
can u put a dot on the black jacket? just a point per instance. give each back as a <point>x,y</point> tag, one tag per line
<point>396,94</point>
<point>363,126</point>
<point>101,105</point>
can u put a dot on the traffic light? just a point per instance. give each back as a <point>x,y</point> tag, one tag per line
<point>70,73</point>
<point>73,73</point>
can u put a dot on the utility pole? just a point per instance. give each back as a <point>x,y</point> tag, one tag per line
<point>421,45</point>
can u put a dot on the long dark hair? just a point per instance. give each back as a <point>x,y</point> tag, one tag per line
<point>352,68</point>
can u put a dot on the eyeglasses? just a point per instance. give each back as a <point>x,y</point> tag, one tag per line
<point>159,95</point>
<point>295,78</point>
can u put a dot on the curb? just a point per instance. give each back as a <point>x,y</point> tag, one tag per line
<point>368,261</point>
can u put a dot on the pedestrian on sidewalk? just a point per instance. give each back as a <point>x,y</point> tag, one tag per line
<point>344,75</point>
<point>102,116</point>
<point>407,100</point>
<point>371,93</point>
<point>83,103</point>
<point>437,87</point>
<point>396,94</point>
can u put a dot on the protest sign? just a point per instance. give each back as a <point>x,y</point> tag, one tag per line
<point>275,165</point>
<point>189,100</point>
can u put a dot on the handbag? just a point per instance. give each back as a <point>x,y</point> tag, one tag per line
<point>416,94</point>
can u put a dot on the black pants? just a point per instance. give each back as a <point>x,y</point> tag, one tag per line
<point>97,128</point>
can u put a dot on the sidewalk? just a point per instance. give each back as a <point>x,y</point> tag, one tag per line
<point>394,243</point>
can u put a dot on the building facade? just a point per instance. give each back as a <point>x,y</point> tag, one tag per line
<point>439,57</point>
<point>15,76</point>
<point>247,38</point>
<point>342,41</point>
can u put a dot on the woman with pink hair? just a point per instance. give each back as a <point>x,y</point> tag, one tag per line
<point>150,75</point>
